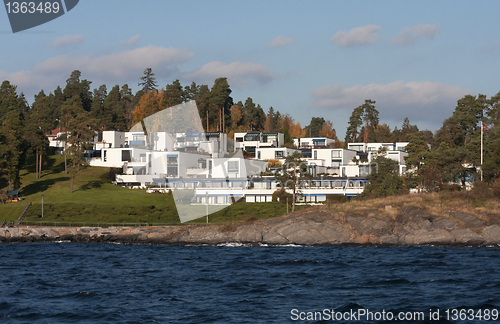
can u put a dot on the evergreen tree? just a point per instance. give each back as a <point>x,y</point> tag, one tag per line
<point>220,102</point>
<point>384,179</point>
<point>173,95</point>
<point>148,81</point>
<point>355,122</point>
<point>313,129</point>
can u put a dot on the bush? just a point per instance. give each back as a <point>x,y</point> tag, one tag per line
<point>450,187</point>
<point>336,199</point>
<point>480,191</point>
<point>496,189</point>
<point>281,195</point>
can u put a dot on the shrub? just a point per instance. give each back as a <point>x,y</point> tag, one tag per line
<point>496,189</point>
<point>450,187</point>
<point>281,195</point>
<point>480,191</point>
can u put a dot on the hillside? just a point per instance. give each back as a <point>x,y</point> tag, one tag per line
<point>98,202</point>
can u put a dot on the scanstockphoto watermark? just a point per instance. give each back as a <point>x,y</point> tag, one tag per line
<point>363,315</point>
<point>24,15</point>
<point>355,315</point>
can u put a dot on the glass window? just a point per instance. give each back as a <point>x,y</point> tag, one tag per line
<point>126,156</point>
<point>336,154</point>
<point>239,139</point>
<point>279,154</point>
<point>252,137</point>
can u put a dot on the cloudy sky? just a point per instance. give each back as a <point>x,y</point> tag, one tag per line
<point>306,58</point>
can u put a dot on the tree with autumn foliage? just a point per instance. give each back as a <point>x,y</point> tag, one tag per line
<point>328,131</point>
<point>150,103</point>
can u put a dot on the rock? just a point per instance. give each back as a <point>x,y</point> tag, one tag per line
<point>491,234</point>
<point>370,226</point>
<point>466,219</point>
<point>424,236</point>
<point>248,234</point>
<point>466,236</point>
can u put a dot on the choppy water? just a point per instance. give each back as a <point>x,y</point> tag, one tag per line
<point>108,283</point>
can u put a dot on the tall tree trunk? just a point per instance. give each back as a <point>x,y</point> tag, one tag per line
<point>65,160</point>
<point>72,180</point>
<point>36,165</point>
<point>40,164</point>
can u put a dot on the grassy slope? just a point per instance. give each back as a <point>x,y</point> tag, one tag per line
<point>96,200</point>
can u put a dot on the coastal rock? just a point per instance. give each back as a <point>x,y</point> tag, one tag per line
<point>466,236</point>
<point>423,236</point>
<point>491,234</point>
<point>311,226</point>
<point>466,220</point>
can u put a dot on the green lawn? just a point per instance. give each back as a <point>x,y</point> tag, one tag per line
<point>95,200</point>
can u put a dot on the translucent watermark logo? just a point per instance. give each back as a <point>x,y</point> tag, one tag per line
<point>28,14</point>
<point>179,155</point>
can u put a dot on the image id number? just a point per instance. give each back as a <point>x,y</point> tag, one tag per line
<point>31,7</point>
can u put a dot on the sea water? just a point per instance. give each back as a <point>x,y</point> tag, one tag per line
<point>112,283</point>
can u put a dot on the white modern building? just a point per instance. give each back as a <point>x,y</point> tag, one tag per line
<point>312,142</point>
<point>274,153</point>
<point>250,141</point>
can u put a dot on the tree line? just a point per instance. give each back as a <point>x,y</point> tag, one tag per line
<point>451,154</point>
<point>78,111</point>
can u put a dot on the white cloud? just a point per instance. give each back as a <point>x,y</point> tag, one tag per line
<point>239,74</point>
<point>117,68</point>
<point>132,40</point>
<point>67,40</point>
<point>356,36</point>
<point>409,35</point>
<point>281,41</point>
<point>427,103</point>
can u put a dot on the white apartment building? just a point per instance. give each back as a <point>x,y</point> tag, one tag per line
<point>312,142</point>
<point>250,141</point>
<point>274,153</point>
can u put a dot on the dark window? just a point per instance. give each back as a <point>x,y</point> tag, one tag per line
<point>126,156</point>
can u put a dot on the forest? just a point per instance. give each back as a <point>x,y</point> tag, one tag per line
<point>80,110</point>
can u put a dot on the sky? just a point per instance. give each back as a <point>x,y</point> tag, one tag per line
<point>318,58</point>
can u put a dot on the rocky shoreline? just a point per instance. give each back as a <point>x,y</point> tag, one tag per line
<point>312,226</point>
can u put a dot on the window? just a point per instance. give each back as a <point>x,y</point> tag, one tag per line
<point>279,154</point>
<point>252,137</point>
<point>258,155</point>
<point>356,148</point>
<point>126,156</point>
<point>239,139</point>
<point>315,154</point>
<point>105,156</point>
<point>305,143</point>
<point>336,154</point>
<point>335,164</point>
<point>171,159</point>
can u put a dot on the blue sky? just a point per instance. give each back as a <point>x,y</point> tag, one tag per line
<point>305,58</point>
